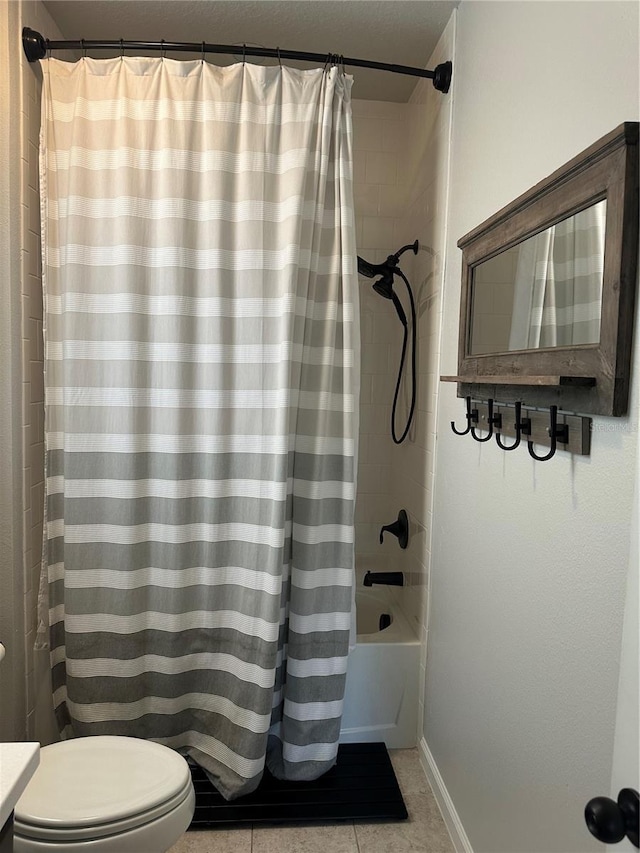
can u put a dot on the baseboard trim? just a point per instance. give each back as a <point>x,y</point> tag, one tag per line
<point>443,798</point>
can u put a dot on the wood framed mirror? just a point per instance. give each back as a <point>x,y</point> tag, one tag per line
<point>548,287</point>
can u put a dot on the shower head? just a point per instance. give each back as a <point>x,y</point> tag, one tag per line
<point>386,271</point>
<point>384,286</point>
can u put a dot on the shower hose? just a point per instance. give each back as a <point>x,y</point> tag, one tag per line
<point>394,435</point>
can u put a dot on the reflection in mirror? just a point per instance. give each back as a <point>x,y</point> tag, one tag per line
<point>544,292</point>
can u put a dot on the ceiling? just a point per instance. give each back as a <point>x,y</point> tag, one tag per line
<point>398,31</point>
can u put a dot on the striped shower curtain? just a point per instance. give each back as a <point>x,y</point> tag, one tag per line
<point>201,375</point>
<point>558,283</point>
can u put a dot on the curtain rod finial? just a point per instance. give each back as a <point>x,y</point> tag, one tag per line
<point>442,76</point>
<point>33,44</point>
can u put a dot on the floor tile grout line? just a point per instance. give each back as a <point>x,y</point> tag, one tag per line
<point>355,835</point>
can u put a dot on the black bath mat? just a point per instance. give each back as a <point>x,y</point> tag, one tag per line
<point>362,785</point>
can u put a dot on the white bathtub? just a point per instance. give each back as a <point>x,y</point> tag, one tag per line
<point>381,698</point>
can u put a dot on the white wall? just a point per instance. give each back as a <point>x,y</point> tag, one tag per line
<point>626,752</point>
<point>529,560</point>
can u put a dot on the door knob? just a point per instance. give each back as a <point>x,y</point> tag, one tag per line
<point>610,821</point>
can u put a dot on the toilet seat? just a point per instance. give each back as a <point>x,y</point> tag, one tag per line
<point>95,787</point>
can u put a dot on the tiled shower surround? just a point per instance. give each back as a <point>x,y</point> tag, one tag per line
<point>400,173</point>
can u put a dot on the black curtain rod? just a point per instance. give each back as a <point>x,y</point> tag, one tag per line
<point>36,46</point>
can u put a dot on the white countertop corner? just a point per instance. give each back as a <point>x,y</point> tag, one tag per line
<point>18,763</point>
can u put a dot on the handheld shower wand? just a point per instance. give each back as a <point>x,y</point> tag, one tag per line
<point>384,286</point>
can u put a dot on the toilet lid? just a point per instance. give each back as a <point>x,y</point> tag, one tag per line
<point>97,780</point>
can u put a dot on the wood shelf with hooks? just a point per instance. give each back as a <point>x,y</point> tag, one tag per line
<point>553,429</point>
<point>552,381</point>
<point>579,426</point>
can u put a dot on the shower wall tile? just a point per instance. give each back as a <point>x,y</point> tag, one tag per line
<point>381,167</point>
<point>367,200</point>
<point>382,391</point>
<point>359,220</point>
<point>425,176</point>
<point>393,202</point>
<point>393,134</point>
<point>366,397</point>
<point>377,231</point>
<point>375,357</point>
<point>370,134</point>
<point>384,110</point>
<point>379,196</point>
<point>358,172</point>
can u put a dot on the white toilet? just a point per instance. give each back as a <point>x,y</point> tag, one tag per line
<point>105,795</point>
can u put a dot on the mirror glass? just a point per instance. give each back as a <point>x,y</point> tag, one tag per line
<point>543,292</point>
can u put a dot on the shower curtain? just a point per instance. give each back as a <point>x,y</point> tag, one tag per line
<point>201,375</point>
<point>558,284</point>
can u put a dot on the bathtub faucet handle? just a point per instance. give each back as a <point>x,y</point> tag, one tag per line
<point>399,528</point>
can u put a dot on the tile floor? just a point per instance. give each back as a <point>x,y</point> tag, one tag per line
<point>423,832</point>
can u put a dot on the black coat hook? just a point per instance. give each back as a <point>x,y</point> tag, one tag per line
<point>491,420</point>
<point>556,433</point>
<point>471,416</point>
<point>519,426</point>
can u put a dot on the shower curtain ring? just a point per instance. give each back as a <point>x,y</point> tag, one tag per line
<point>121,48</point>
<point>162,48</point>
<point>82,45</point>
<point>279,57</point>
<point>203,51</point>
<point>244,53</point>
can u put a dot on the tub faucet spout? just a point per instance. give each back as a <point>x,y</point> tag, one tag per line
<point>388,578</point>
